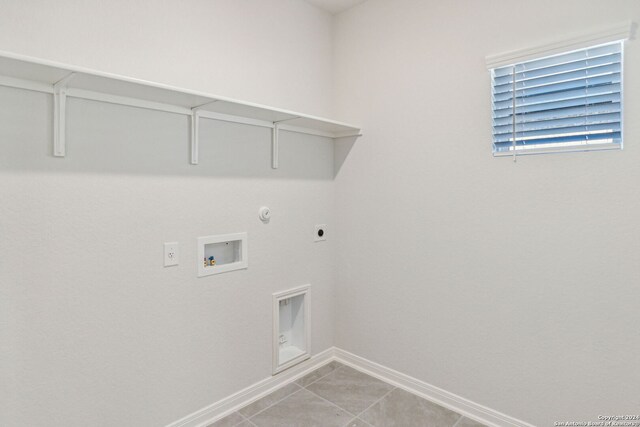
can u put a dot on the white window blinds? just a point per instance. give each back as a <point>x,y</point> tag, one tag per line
<point>566,102</point>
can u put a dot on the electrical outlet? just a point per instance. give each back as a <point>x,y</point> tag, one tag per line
<point>171,254</point>
<point>321,233</point>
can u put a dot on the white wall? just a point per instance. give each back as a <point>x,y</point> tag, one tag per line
<point>93,330</point>
<point>267,51</point>
<point>513,285</point>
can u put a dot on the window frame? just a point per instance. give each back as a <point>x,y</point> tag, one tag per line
<point>606,36</point>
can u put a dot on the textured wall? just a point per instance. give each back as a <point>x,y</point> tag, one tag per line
<point>513,285</point>
<point>273,52</point>
<point>93,329</point>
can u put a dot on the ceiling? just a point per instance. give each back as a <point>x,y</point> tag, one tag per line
<point>335,6</point>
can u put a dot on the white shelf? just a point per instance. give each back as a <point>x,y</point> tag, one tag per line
<point>41,75</point>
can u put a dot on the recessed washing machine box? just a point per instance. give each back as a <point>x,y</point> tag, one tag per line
<point>291,328</point>
<point>222,253</point>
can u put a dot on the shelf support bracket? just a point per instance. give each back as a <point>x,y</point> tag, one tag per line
<point>275,155</point>
<point>60,116</point>
<point>195,135</point>
<point>195,131</point>
<point>275,136</point>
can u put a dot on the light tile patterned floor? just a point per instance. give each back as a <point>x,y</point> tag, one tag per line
<point>339,396</point>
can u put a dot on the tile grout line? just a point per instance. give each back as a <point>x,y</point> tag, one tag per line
<point>331,403</point>
<point>300,387</point>
<point>359,419</point>
<point>227,416</point>
<point>274,403</point>
<point>459,419</point>
<point>244,419</point>
<point>318,379</point>
<point>241,416</point>
<point>414,394</point>
<point>356,416</point>
<point>374,403</point>
<point>366,423</point>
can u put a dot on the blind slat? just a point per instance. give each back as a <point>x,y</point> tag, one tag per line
<point>545,115</point>
<point>566,140</point>
<point>558,86</point>
<point>558,69</point>
<point>586,130</point>
<point>569,57</point>
<point>557,78</point>
<point>552,103</point>
<point>554,60</point>
<point>559,123</point>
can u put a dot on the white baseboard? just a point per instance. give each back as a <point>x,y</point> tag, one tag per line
<point>443,398</point>
<point>226,406</point>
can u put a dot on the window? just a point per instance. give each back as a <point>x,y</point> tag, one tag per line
<point>566,102</point>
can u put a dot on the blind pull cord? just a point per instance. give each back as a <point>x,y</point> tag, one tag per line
<point>513,109</point>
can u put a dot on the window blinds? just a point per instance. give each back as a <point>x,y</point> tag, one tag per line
<point>567,102</point>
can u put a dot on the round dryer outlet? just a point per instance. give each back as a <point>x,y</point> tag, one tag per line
<point>321,233</point>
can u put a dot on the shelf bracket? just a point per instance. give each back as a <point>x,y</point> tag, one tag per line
<point>195,135</point>
<point>195,131</point>
<point>60,116</point>
<point>275,134</point>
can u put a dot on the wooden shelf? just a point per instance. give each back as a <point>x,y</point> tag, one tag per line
<point>68,81</point>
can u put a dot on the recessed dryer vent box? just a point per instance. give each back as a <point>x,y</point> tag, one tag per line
<point>222,253</point>
<point>291,328</point>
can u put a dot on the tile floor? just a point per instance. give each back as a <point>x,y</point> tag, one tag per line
<point>336,395</point>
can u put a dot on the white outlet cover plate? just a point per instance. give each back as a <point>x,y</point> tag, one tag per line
<point>171,254</point>
<point>322,227</point>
